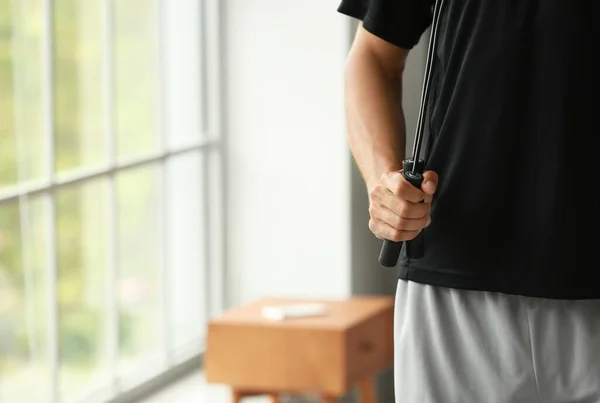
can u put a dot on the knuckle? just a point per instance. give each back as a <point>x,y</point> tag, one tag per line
<point>372,227</point>
<point>392,187</point>
<point>397,188</point>
<point>397,222</point>
<point>374,190</point>
<point>395,235</point>
<point>407,235</point>
<point>404,210</point>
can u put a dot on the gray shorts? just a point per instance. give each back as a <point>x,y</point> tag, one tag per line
<point>457,346</point>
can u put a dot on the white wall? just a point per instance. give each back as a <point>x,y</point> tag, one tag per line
<point>296,208</point>
<point>287,160</point>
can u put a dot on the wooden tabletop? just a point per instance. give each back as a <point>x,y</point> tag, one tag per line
<point>341,314</point>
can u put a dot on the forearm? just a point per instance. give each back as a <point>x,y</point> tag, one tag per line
<point>374,117</point>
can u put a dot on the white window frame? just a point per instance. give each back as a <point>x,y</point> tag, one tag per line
<point>211,146</point>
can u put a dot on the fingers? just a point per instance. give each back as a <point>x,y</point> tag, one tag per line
<point>382,198</point>
<point>430,182</point>
<point>397,184</point>
<point>400,222</point>
<point>398,210</point>
<point>383,230</point>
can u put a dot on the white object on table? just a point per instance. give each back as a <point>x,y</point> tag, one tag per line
<point>293,311</point>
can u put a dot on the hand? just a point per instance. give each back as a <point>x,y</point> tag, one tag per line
<point>397,213</point>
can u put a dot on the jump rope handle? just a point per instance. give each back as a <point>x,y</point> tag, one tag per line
<point>415,248</point>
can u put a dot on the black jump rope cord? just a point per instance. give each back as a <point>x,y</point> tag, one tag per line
<point>413,167</point>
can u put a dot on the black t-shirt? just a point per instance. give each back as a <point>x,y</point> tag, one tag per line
<point>511,128</point>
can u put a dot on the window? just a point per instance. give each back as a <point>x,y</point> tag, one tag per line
<point>110,186</point>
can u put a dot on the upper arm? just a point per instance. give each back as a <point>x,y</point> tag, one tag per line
<point>391,58</point>
<point>389,29</point>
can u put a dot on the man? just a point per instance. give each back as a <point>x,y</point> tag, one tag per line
<point>505,305</point>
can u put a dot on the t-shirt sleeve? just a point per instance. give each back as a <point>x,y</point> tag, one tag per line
<point>400,22</point>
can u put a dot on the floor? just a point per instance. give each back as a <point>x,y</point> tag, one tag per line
<point>194,389</point>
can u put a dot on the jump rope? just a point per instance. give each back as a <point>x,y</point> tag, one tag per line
<point>413,172</point>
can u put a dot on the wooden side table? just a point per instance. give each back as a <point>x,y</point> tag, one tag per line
<point>326,356</point>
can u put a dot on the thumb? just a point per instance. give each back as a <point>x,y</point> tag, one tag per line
<point>430,182</point>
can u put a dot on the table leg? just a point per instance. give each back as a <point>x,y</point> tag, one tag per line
<point>367,390</point>
<point>237,396</point>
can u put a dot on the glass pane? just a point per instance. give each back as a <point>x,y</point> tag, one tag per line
<point>136,74</point>
<point>82,297</point>
<point>183,70</point>
<point>186,263</point>
<point>140,326</point>
<point>23,304</point>
<point>78,83</point>
<point>20,91</point>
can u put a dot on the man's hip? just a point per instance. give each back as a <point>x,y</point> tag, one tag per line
<point>460,346</point>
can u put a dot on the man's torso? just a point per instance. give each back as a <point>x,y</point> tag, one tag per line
<point>511,129</point>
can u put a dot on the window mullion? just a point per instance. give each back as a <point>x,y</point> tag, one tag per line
<point>110,135</point>
<point>50,225</point>
<point>164,188</point>
<point>212,67</point>
<point>221,282</point>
